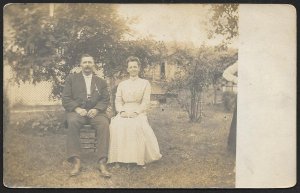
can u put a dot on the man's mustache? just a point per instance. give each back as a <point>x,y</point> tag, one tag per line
<point>87,67</point>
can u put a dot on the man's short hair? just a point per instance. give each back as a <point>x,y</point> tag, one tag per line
<point>85,55</point>
<point>133,59</point>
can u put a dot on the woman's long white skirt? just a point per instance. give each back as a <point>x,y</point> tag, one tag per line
<point>132,140</point>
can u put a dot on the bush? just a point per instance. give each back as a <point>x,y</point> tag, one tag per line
<point>40,123</point>
<point>229,100</point>
<point>48,122</point>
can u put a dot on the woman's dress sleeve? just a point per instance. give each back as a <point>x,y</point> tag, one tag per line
<point>119,100</point>
<point>145,104</point>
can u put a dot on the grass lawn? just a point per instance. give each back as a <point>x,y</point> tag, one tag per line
<point>194,154</point>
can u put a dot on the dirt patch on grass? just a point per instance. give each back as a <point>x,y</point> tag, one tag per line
<point>194,154</point>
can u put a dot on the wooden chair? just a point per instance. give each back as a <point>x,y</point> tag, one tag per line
<point>88,137</point>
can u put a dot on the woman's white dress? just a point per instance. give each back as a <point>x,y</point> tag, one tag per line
<point>132,140</point>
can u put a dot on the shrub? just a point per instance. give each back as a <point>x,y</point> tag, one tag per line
<point>229,100</point>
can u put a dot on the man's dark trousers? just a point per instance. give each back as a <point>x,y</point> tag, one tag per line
<point>75,123</point>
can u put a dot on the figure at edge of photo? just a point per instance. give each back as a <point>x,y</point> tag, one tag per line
<point>132,139</point>
<point>85,98</point>
<point>230,75</point>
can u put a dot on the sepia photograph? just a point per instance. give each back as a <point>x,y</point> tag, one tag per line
<point>120,95</point>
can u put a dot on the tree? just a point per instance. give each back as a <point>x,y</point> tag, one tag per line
<point>46,48</point>
<point>223,22</point>
<point>190,82</point>
<point>200,68</point>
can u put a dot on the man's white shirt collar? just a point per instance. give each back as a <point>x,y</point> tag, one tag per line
<point>87,76</point>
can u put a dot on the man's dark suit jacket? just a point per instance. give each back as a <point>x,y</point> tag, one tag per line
<point>75,95</point>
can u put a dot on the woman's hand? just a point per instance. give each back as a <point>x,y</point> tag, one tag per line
<point>128,114</point>
<point>124,114</point>
<point>133,115</point>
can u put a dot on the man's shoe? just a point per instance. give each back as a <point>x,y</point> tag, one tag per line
<point>76,169</point>
<point>103,170</point>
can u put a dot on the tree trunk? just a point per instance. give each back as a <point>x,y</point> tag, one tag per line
<point>201,107</point>
<point>194,105</point>
<point>112,90</point>
<point>215,94</point>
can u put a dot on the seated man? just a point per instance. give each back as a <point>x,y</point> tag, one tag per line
<point>85,98</point>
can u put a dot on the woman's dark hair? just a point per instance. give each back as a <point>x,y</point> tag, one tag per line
<point>133,59</point>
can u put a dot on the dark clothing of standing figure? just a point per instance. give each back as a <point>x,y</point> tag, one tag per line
<point>231,143</point>
<point>230,74</point>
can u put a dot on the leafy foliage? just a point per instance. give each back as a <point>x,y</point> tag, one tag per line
<point>150,52</point>
<point>224,23</point>
<point>40,123</point>
<point>47,123</point>
<point>46,48</point>
<point>200,68</point>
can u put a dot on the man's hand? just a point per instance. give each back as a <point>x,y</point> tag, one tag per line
<point>82,112</point>
<point>92,113</point>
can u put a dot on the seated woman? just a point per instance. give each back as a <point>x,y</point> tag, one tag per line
<point>132,139</point>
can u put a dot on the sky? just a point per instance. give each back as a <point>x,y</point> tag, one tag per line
<point>181,23</point>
